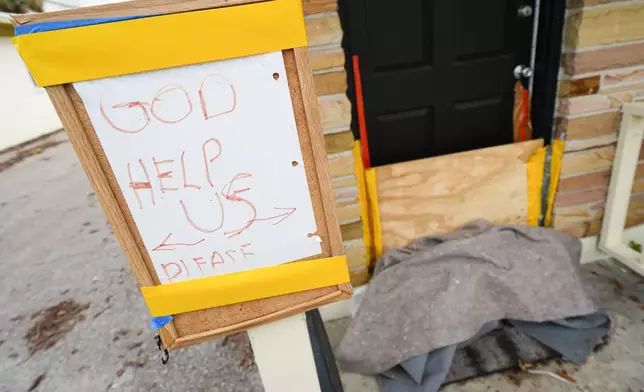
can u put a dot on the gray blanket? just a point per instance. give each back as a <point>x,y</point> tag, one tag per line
<point>574,338</point>
<point>440,291</point>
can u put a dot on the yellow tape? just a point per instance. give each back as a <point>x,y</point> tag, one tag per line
<point>535,182</point>
<point>214,291</point>
<point>363,199</point>
<point>139,45</point>
<point>558,147</point>
<point>372,192</point>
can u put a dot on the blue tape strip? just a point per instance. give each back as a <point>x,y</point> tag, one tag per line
<point>159,322</point>
<point>68,24</point>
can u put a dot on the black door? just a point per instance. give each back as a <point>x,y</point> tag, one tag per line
<point>437,75</point>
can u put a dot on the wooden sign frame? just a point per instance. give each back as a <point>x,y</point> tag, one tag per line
<point>199,326</point>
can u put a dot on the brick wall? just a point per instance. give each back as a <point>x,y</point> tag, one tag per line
<point>327,60</point>
<point>602,68</point>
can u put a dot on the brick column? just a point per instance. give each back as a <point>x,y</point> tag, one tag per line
<point>327,60</point>
<point>602,68</point>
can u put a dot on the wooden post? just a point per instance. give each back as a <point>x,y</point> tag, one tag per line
<point>284,355</point>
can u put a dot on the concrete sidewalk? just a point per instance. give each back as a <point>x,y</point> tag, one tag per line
<point>56,245</point>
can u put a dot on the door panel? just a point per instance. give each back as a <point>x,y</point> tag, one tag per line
<point>408,144</point>
<point>480,29</point>
<point>481,119</point>
<point>437,75</point>
<point>400,35</point>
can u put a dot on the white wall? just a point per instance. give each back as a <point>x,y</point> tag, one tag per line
<point>25,109</point>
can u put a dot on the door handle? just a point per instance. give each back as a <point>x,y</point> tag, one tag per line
<point>524,11</point>
<point>522,71</point>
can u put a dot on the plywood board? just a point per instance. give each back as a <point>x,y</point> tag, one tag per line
<point>438,195</point>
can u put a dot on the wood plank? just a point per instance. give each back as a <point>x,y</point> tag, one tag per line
<point>128,8</point>
<point>314,122</point>
<point>274,309</point>
<point>438,195</point>
<point>288,340</point>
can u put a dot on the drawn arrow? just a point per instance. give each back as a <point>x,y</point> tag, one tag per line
<point>283,216</point>
<point>164,245</point>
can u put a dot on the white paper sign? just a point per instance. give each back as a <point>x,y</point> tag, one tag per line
<point>208,159</point>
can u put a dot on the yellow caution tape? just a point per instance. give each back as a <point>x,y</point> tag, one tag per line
<point>372,192</point>
<point>215,291</point>
<point>139,45</point>
<point>363,199</point>
<point>535,182</point>
<point>558,147</point>
<point>535,169</point>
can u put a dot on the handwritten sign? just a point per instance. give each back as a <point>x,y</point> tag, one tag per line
<point>208,159</point>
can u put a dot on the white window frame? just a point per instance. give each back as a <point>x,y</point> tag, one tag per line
<point>629,143</point>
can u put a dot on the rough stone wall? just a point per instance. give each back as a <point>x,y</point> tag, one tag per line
<point>327,60</point>
<point>602,68</point>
